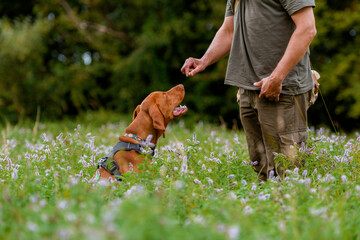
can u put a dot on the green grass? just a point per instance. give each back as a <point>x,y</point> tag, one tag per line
<point>203,186</point>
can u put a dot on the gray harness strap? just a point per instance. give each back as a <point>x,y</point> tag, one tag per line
<point>110,165</point>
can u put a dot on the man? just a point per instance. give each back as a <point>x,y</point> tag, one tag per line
<point>268,42</point>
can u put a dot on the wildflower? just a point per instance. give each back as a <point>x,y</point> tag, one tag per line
<point>210,181</point>
<point>209,170</point>
<point>178,184</point>
<point>247,210</point>
<point>317,212</point>
<point>263,196</point>
<point>134,189</point>
<point>219,190</point>
<point>304,173</point>
<point>71,217</point>
<point>233,184</point>
<point>232,195</point>
<point>162,170</point>
<point>197,181</point>
<point>233,232</point>
<point>343,178</point>
<point>287,196</point>
<point>176,168</point>
<point>14,174</point>
<point>243,182</point>
<point>313,190</point>
<point>184,166</point>
<point>33,227</point>
<point>244,200</point>
<point>203,167</point>
<point>271,174</point>
<point>62,204</point>
<point>296,171</point>
<point>194,139</point>
<point>231,176</point>
<point>59,137</point>
<point>44,137</point>
<point>253,188</point>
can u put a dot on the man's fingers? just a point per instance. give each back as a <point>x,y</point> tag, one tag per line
<point>188,66</point>
<point>194,71</point>
<point>258,84</point>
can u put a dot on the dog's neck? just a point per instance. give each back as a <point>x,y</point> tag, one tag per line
<point>141,127</point>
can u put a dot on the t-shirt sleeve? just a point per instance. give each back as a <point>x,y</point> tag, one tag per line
<point>229,8</point>
<point>292,6</point>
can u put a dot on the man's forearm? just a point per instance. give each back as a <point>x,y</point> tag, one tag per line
<point>296,49</point>
<point>221,44</point>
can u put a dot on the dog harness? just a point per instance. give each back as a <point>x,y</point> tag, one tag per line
<point>108,162</point>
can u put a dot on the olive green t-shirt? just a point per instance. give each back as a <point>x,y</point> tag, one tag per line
<point>262,30</point>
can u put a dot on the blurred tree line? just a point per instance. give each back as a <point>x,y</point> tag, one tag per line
<point>69,56</point>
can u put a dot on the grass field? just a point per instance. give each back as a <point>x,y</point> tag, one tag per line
<point>203,186</point>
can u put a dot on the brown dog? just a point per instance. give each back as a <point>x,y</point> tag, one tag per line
<point>149,123</point>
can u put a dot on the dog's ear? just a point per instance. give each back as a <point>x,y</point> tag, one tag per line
<point>158,119</point>
<point>136,112</point>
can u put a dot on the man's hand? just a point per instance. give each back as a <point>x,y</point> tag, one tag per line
<point>192,66</point>
<point>270,88</point>
<point>219,48</point>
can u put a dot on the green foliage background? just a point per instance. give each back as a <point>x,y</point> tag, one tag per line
<point>70,56</point>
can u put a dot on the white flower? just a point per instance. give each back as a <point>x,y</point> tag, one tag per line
<point>62,204</point>
<point>219,190</point>
<point>232,195</point>
<point>14,173</point>
<point>247,210</point>
<point>33,227</point>
<point>287,196</point>
<point>178,184</point>
<point>233,232</point>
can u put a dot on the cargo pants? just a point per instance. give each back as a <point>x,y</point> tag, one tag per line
<point>272,127</point>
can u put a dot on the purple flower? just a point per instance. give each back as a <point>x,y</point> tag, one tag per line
<point>231,176</point>
<point>304,173</point>
<point>343,178</point>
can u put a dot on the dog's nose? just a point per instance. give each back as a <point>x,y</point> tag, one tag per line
<point>181,86</point>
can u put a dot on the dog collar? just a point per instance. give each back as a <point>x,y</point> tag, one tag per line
<point>133,136</point>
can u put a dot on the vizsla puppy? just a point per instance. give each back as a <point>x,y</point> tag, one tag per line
<point>149,123</point>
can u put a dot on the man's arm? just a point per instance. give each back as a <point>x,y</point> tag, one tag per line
<point>219,48</point>
<point>299,43</point>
